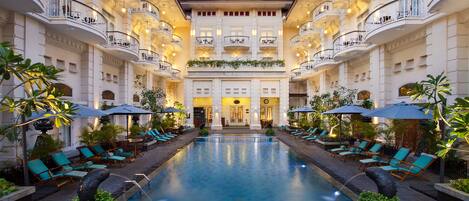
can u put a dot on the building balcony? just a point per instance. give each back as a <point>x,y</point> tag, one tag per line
<point>349,45</point>
<point>325,13</point>
<point>394,19</point>
<point>309,30</point>
<point>295,74</point>
<point>164,31</point>
<point>36,6</point>
<point>324,59</point>
<point>176,43</point>
<point>447,6</point>
<point>148,57</point>
<point>268,42</point>
<point>145,10</point>
<point>164,68</point>
<point>236,66</point>
<point>74,19</point>
<point>176,75</point>
<point>236,42</point>
<point>204,42</point>
<point>297,43</point>
<point>122,45</point>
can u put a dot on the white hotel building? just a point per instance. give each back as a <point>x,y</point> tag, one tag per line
<point>105,46</point>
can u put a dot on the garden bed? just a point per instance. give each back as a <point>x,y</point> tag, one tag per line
<point>448,193</point>
<point>21,193</point>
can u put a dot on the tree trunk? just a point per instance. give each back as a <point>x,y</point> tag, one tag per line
<point>25,151</point>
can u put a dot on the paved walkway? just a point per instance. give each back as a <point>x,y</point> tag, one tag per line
<point>342,171</point>
<point>150,161</point>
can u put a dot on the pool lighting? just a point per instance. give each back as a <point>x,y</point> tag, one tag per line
<point>337,193</point>
<point>303,166</point>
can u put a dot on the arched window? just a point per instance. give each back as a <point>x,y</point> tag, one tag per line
<point>136,98</point>
<point>406,89</point>
<point>108,95</point>
<point>64,89</point>
<point>363,95</point>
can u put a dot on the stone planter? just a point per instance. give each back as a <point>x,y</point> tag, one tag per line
<point>448,193</point>
<point>22,193</point>
<point>331,145</point>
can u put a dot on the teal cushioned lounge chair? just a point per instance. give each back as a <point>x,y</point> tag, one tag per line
<point>61,160</point>
<point>404,169</point>
<point>43,173</point>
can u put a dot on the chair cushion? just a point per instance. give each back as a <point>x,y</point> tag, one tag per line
<point>78,174</point>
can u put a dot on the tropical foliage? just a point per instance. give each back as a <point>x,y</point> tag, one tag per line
<point>106,134</point>
<point>460,184</point>
<point>46,146</point>
<point>101,195</point>
<point>372,196</point>
<point>270,132</point>
<point>6,187</point>
<point>235,64</point>
<point>203,132</point>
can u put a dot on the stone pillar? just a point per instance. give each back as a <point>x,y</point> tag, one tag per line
<point>149,80</point>
<point>188,98</point>
<point>380,66</point>
<point>284,102</point>
<point>322,83</point>
<point>91,68</point>
<point>217,106</point>
<point>309,89</point>
<point>255,104</point>
<point>125,83</point>
<point>343,74</point>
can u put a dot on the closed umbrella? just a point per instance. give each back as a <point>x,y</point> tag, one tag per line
<point>347,109</point>
<point>127,110</point>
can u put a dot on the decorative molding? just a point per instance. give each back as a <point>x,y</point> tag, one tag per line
<point>406,40</point>
<point>65,42</point>
<point>111,60</point>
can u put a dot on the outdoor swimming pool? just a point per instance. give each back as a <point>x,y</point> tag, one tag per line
<point>238,168</point>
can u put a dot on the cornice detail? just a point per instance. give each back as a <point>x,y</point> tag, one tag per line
<point>406,40</point>
<point>65,42</point>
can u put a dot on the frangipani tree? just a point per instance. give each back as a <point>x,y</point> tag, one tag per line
<point>39,94</point>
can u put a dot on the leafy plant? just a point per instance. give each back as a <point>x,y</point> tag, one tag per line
<point>101,195</point>
<point>270,132</point>
<point>180,116</point>
<point>459,122</point>
<point>106,134</point>
<point>168,121</point>
<point>6,187</point>
<point>46,145</point>
<point>367,103</point>
<point>386,133</point>
<point>460,184</point>
<point>203,132</point>
<point>88,134</point>
<point>366,129</point>
<point>135,130</point>
<point>372,196</point>
<point>234,64</point>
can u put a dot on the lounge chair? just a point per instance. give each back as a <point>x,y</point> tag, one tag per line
<point>44,174</point>
<point>374,150</point>
<point>98,149</point>
<point>417,168</point>
<point>395,160</point>
<point>89,155</point>
<point>310,132</point>
<point>300,132</point>
<point>168,133</point>
<point>316,137</point>
<point>361,147</point>
<point>61,160</point>
<point>156,136</point>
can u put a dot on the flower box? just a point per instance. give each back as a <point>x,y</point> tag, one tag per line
<point>21,193</point>
<point>448,193</point>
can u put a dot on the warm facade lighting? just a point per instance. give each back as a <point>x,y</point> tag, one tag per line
<point>123,10</point>
<point>254,32</point>
<point>218,32</point>
<point>349,10</point>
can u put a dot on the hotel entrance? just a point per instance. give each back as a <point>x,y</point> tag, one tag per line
<point>269,112</point>
<point>202,112</point>
<point>235,112</point>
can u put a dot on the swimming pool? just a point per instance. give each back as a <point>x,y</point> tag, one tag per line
<point>238,168</point>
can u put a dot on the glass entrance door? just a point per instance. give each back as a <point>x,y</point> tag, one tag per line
<point>236,115</point>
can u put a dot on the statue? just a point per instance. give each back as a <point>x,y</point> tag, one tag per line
<point>383,180</point>
<point>90,183</point>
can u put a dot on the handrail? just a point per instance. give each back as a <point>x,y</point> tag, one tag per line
<point>379,8</point>
<point>204,40</point>
<point>322,51</point>
<point>122,40</point>
<point>148,55</point>
<point>123,33</point>
<point>142,3</point>
<point>307,29</point>
<point>166,27</point>
<point>268,40</point>
<point>239,40</point>
<point>318,6</point>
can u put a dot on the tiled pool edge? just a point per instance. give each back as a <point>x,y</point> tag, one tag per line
<point>336,183</point>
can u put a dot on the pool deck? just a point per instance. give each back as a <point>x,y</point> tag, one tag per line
<point>146,164</point>
<point>342,171</point>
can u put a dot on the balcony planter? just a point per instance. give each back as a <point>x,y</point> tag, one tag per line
<point>448,193</point>
<point>21,193</point>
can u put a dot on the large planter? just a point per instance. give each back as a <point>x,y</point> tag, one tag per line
<point>21,193</point>
<point>448,193</point>
<point>331,144</point>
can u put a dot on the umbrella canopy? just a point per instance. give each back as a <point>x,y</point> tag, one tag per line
<point>348,109</point>
<point>171,110</point>
<point>400,111</point>
<point>81,111</point>
<point>304,109</point>
<point>126,110</point>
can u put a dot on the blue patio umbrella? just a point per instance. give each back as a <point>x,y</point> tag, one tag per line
<point>127,110</point>
<point>346,109</point>
<point>80,111</point>
<point>400,110</point>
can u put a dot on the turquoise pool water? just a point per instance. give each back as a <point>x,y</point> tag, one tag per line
<point>236,168</point>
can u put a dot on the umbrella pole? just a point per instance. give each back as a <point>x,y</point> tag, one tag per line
<point>127,126</point>
<point>340,125</point>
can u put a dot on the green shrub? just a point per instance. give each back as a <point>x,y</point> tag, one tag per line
<point>372,196</point>
<point>270,132</point>
<point>45,144</point>
<point>460,184</point>
<point>6,187</point>
<point>135,130</point>
<point>100,196</point>
<point>169,121</point>
<point>91,135</point>
<point>203,132</point>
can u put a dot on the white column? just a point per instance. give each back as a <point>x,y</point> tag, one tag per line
<point>91,68</point>
<point>188,102</point>
<point>284,102</point>
<point>255,104</point>
<point>322,83</point>
<point>343,74</point>
<point>149,80</point>
<point>125,87</point>
<point>217,106</point>
<point>309,89</point>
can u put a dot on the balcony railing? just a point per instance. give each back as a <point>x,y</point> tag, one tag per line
<point>349,40</point>
<point>308,28</point>
<point>296,41</point>
<point>324,56</point>
<point>165,28</point>
<point>148,56</point>
<point>77,12</point>
<point>177,42</point>
<point>295,73</point>
<point>268,42</point>
<point>307,65</point>
<point>323,9</point>
<point>205,41</point>
<point>393,11</point>
<point>175,73</point>
<point>165,67</point>
<point>236,41</point>
<point>147,7</point>
<point>121,40</point>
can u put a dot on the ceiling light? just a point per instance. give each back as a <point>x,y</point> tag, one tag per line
<point>349,10</point>
<point>309,45</point>
<point>162,45</point>
<point>297,26</point>
<point>325,31</point>
<point>164,12</point>
<point>174,54</point>
<point>308,12</point>
<point>147,30</point>
<point>123,10</point>
<point>297,54</point>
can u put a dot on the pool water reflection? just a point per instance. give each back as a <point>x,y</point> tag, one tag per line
<point>238,168</point>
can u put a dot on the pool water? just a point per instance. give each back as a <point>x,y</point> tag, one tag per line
<point>238,168</point>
